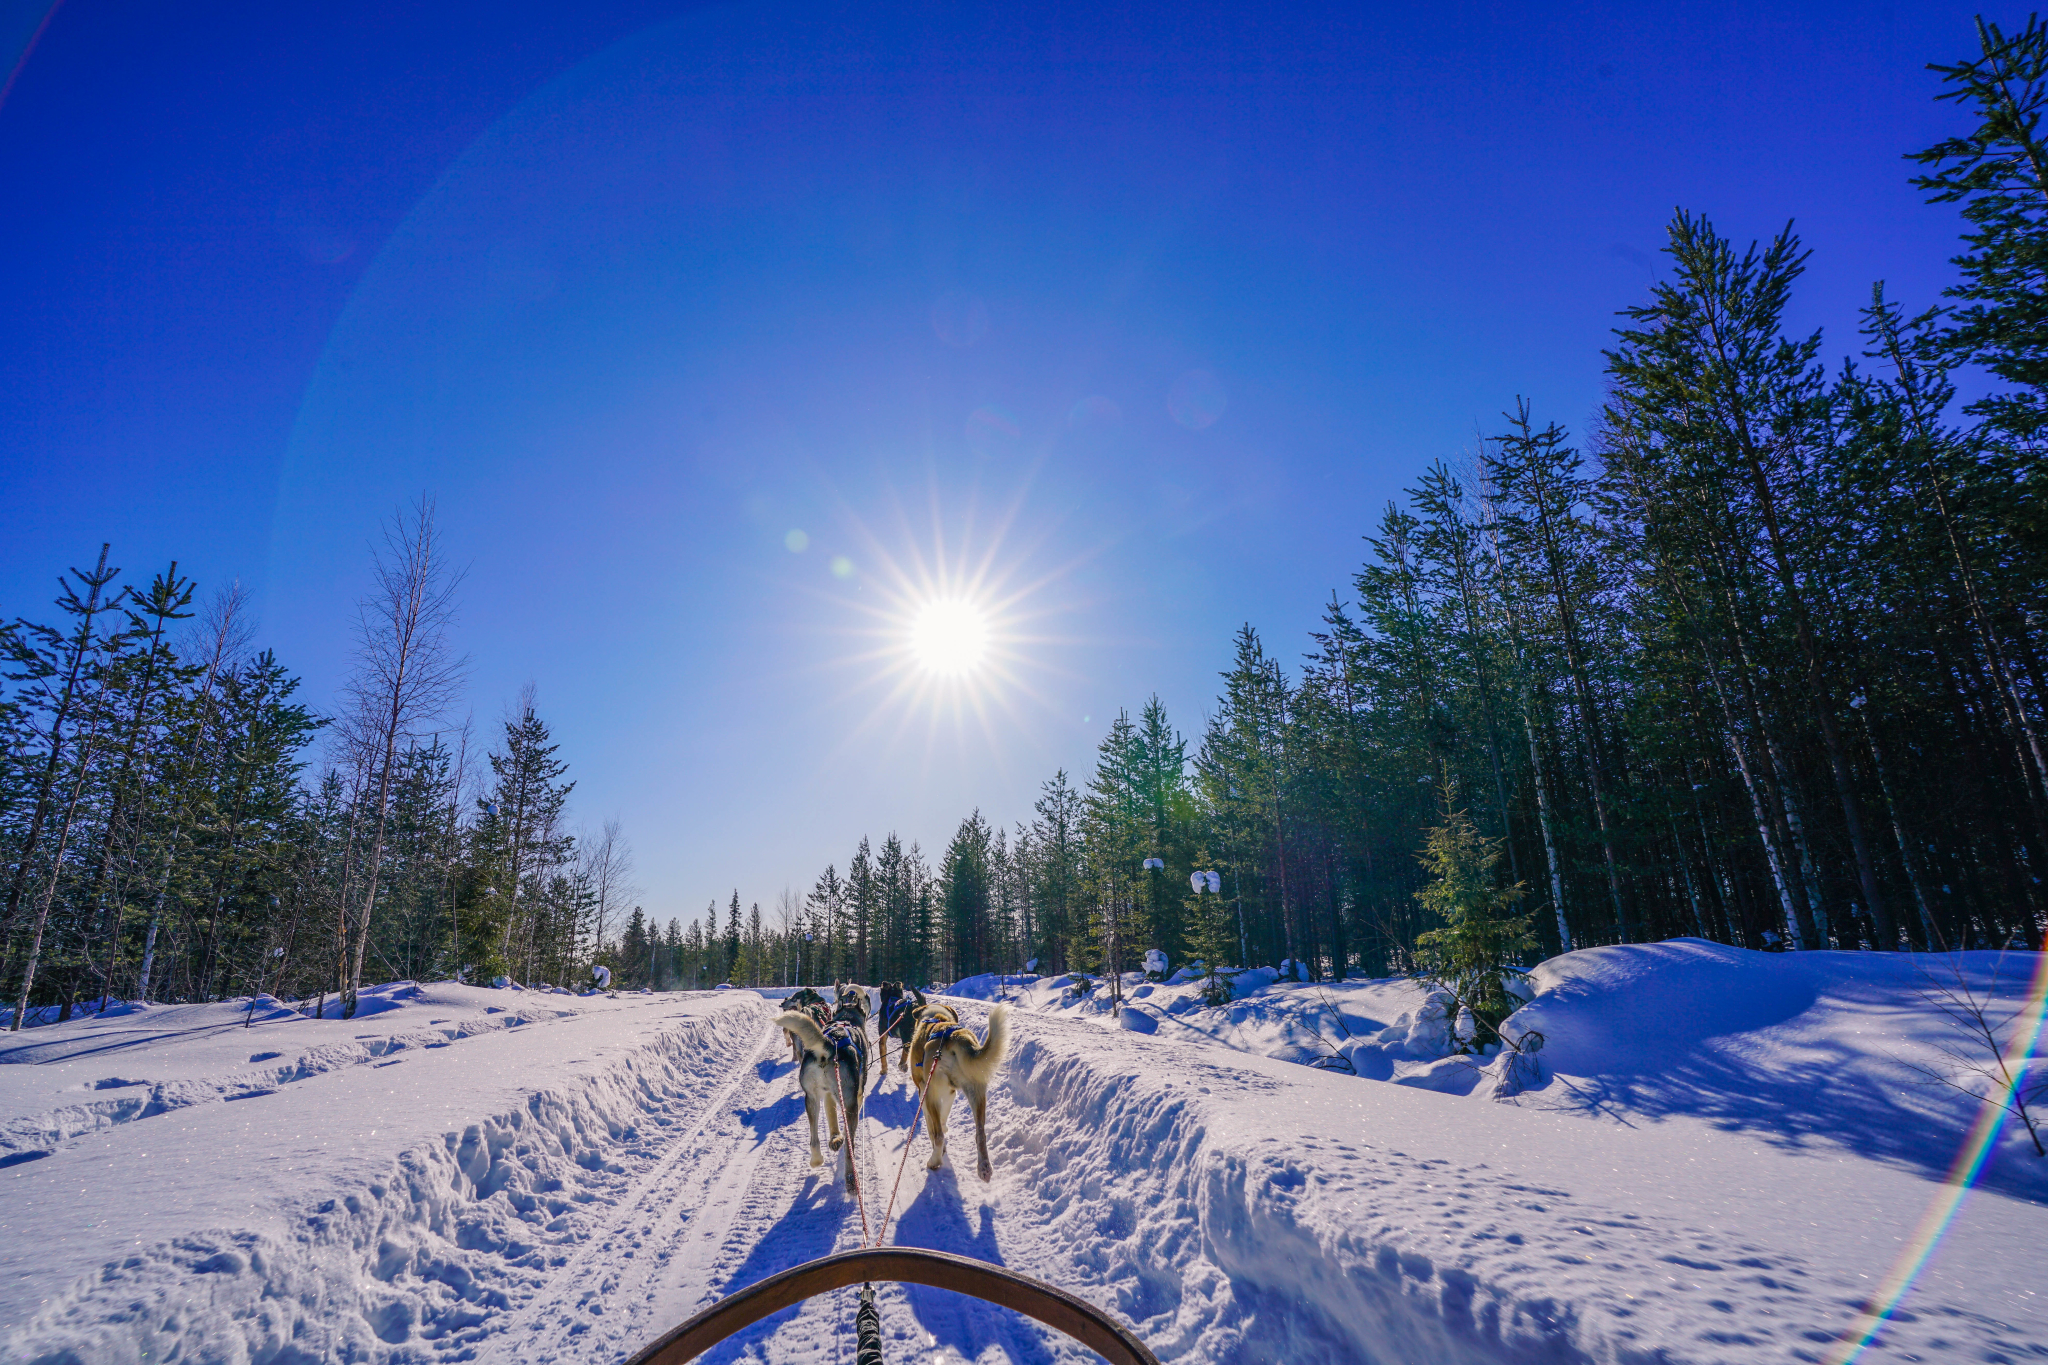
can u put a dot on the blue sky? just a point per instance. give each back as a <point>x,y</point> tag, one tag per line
<point>1124,325</point>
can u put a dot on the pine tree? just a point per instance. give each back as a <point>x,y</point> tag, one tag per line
<point>520,834</point>
<point>633,951</point>
<point>1998,172</point>
<point>1480,943</point>
<point>1055,873</point>
<point>729,967</point>
<point>57,669</point>
<point>968,896</point>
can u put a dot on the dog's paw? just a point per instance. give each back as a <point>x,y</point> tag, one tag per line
<point>987,1172</point>
<point>835,1143</point>
<point>936,1162</point>
<point>817,1160</point>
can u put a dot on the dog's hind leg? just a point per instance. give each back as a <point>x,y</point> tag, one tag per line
<point>977,1098</point>
<point>852,1084</point>
<point>811,1113</point>
<point>938,1098</point>
<point>831,1107</point>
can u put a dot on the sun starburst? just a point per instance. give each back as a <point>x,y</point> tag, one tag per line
<point>947,625</point>
<point>949,636</point>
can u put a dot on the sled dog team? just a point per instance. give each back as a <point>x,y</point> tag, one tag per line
<point>829,1043</point>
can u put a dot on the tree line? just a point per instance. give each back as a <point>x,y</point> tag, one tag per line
<point>1754,658</point>
<point>167,834</point>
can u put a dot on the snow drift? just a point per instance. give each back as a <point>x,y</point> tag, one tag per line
<point>476,1175</point>
<point>1822,1052</point>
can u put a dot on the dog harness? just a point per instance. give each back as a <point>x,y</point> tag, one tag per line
<point>844,1037</point>
<point>939,1036</point>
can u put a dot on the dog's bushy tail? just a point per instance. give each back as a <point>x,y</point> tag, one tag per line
<point>806,1031</point>
<point>983,1059</point>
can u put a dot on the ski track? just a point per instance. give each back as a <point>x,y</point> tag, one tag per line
<point>129,1101</point>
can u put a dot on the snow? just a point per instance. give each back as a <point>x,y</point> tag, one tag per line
<point>1812,1052</point>
<point>1718,1161</point>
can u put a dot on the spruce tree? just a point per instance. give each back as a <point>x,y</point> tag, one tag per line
<point>729,968</point>
<point>1480,943</point>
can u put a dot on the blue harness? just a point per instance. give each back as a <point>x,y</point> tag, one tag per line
<point>844,1037</point>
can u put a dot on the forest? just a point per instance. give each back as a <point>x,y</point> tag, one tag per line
<point>1753,657</point>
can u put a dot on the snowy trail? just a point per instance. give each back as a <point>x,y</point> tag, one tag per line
<point>734,1201</point>
<point>672,1203</point>
<point>563,1180</point>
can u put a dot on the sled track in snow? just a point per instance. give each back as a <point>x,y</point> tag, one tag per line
<point>646,1228</point>
<point>1231,1210</point>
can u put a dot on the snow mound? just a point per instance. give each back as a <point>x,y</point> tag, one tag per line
<point>1821,1052</point>
<point>1238,1209</point>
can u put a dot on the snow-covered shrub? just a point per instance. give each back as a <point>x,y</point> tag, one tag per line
<point>1257,979</point>
<point>1519,1066</point>
<point>1425,1033</point>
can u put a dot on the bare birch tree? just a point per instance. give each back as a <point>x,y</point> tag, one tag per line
<point>404,680</point>
<point>608,871</point>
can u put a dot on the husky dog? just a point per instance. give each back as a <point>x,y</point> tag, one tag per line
<point>832,1073</point>
<point>813,1004</point>
<point>944,1057</point>
<point>900,1005</point>
<point>852,1008</point>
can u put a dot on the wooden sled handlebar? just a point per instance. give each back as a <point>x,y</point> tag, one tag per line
<point>1078,1318</point>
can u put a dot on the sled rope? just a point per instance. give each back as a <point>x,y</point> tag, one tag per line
<point>867,1319</point>
<point>917,1120</point>
<point>847,1125</point>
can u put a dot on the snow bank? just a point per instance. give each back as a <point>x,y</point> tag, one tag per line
<point>1820,1052</point>
<point>1242,1209</point>
<point>313,1190</point>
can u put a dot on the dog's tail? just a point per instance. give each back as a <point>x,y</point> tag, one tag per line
<point>981,1061</point>
<point>806,1031</point>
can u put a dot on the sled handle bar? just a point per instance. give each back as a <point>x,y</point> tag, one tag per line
<point>1054,1307</point>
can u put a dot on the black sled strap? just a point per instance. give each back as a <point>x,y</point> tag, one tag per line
<point>867,1329</point>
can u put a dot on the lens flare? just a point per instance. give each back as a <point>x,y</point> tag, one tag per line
<point>1196,400</point>
<point>949,636</point>
<point>959,318</point>
<point>1962,1176</point>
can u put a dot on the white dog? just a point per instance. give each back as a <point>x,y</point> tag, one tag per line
<point>944,1058</point>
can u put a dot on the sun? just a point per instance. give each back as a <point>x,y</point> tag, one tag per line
<point>949,636</point>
